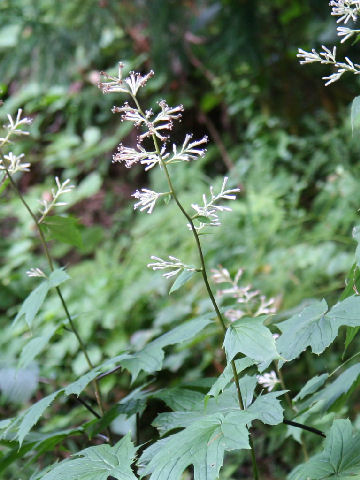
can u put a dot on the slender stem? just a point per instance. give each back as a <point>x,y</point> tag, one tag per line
<point>58,290</point>
<point>204,275</point>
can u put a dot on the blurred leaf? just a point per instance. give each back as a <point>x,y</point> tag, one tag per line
<point>181,280</point>
<point>355,114</point>
<point>63,229</point>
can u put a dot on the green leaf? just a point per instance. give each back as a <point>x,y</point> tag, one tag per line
<point>32,415</point>
<point>34,347</point>
<point>315,327</point>
<point>181,280</point>
<point>311,386</point>
<point>81,383</point>
<point>150,358</point>
<point>340,459</point>
<point>342,385</point>
<point>97,463</point>
<point>34,301</point>
<point>267,408</point>
<point>355,114</point>
<point>250,337</point>
<point>202,445</point>
<point>227,375</point>
<point>63,229</point>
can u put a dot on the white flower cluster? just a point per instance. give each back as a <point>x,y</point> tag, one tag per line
<point>130,85</point>
<point>48,205</point>
<point>155,126</point>
<point>173,264</point>
<point>13,127</point>
<point>14,163</point>
<point>346,10</point>
<point>35,272</point>
<point>255,303</point>
<point>209,210</point>
<point>11,162</point>
<point>147,199</point>
<point>268,380</point>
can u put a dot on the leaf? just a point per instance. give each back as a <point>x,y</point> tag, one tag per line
<point>81,383</point>
<point>34,301</point>
<point>34,347</point>
<point>202,445</point>
<point>63,229</point>
<point>97,463</point>
<point>151,357</point>
<point>340,459</point>
<point>328,395</point>
<point>181,280</point>
<point>315,327</point>
<point>355,114</point>
<point>250,337</point>
<point>32,415</point>
<point>227,375</point>
<point>311,386</point>
<point>267,408</point>
<point>32,304</point>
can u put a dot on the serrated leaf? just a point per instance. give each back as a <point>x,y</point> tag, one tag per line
<point>63,229</point>
<point>97,463</point>
<point>202,445</point>
<point>181,280</point>
<point>250,337</point>
<point>32,415</point>
<point>316,328</point>
<point>311,386</point>
<point>34,301</point>
<point>81,383</point>
<point>340,459</point>
<point>355,114</point>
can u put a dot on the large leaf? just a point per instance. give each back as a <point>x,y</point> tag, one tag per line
<point>316,328</point>
<point>33,302</point>
<point>311,386</point>
<point>266,408</point>
<point>340,459</point>
<point>202,445</point>
<point>250,337</point>
<point>97,463</point>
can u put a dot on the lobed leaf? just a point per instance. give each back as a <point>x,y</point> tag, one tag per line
<point>340,459</point>
<point>250,337</point>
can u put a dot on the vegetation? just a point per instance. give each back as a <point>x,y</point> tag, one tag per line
<point>243,349</point>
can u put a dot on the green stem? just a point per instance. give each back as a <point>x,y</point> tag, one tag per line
<point>204,275</point>
<point>58,290</point>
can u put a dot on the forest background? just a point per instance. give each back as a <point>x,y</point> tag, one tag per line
<point>284,137</point>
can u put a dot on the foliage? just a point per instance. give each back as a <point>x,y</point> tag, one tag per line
<point>95,347</point>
